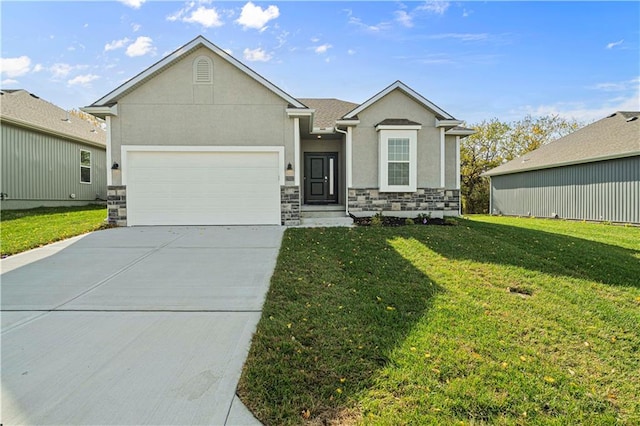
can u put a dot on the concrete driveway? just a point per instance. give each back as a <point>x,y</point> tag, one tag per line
<point>127,326</point>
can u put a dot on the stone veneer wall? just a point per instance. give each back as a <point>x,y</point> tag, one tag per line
<point>117,205</point>
<point>290,205</point>
<point>424,199</point>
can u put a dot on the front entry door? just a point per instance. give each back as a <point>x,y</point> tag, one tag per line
<point>320,177</point>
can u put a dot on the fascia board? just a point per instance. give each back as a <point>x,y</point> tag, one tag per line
<point>101,111</point>
<point>460,132</point>
<point>447,123</point>
<point>398,127</point>
<point>347,122</point>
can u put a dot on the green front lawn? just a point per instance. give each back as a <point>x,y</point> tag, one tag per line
<point>495,320</point>
<point>23,230</point>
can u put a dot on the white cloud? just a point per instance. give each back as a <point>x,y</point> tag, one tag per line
<point>9,81</point>
<point>461,36</point>
<point>116,44</point>
<point>353,20</point>
<point>628,100</point>
<point>37,68</point>
<point>253,16</point>
<point>614,44</point>
<point>404,18</point>
<point>351,52</point>
<point>135,27</point>
<point>323,48</point>
<point>436,7</point>
<point>60,70</point>
<point>132,3</point>
<point>15,67</point>
<point>141,47</point>
<point>256,55</point>
<point>83,80</point>
<point>207,17</point>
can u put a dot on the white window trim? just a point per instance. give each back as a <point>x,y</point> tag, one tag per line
<point>89,167</point>
<point>392,132</point>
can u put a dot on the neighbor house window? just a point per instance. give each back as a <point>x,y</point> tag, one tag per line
<point>85,166</point>
<point>398,158</point>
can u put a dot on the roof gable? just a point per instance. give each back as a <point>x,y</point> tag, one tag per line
<point>398,85</point>
<point>24,109</point>
<point>615,136</point>
<point>113,96</point>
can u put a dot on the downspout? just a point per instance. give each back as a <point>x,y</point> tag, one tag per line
<point>347,155</point>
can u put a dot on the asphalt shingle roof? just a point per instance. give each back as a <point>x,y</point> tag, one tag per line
<point>28,109</point>
<point>617,135</point>
<point>328,110</point>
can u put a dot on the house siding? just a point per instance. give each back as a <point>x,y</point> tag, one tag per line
<point>365,142</point>
<point>44,170</point>
<point>598,191</point>
<point>169,109</point>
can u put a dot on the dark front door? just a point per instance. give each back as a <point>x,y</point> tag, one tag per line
<point>320,177</point>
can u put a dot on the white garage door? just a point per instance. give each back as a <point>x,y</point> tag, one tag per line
<point>203,188</point>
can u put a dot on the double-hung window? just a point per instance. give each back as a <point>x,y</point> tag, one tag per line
<point>397,158</point>
<point>85,166</point>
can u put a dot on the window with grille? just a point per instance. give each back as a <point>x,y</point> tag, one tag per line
<point>398,160</point>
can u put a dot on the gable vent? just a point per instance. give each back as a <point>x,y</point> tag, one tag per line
<point>203,70</point>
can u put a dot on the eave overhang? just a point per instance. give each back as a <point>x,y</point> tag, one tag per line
<point>40,129</point>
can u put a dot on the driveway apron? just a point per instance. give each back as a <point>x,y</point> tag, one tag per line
<point>128,326</point>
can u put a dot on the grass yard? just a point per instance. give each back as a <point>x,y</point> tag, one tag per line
<point>495,320</point>
<point>23,230</point>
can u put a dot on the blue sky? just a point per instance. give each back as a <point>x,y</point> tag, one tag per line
<point>476,60</point>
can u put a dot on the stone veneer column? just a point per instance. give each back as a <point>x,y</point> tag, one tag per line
<point>117,205</point>
<point>290,205</point>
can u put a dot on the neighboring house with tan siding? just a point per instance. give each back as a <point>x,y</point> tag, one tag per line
<point>50,157</point>
<point>201,139</point>
<point>590,174</point>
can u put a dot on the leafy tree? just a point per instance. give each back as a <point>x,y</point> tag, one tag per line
<point>496,142</point>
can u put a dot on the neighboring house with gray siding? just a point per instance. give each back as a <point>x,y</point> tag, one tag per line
<point>49,156</point>
<point>590,174</point>
<point>201,139</point>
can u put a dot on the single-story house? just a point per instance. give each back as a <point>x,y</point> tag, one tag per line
<point>50,157</point>
<point>591,174</point>
<point>200,138</point>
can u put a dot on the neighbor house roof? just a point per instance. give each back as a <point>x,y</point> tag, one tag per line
<point>112,97</point>
<point>615,136</point>
<point>24,109</point>
<point>328,111</point>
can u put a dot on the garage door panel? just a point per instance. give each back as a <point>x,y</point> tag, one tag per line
<point>203,188</point>
<point>203,176</point>
<point>199,159</point>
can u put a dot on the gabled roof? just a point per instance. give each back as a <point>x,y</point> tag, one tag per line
<point>113,96</point>
<point>398,85</point>
<point>24,109</point>
<point>327,110</point>
<point>615,136</point>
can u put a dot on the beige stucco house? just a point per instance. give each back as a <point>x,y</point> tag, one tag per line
<point>200,138</point>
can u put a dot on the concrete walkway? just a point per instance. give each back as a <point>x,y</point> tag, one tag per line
<point>129,326</point>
